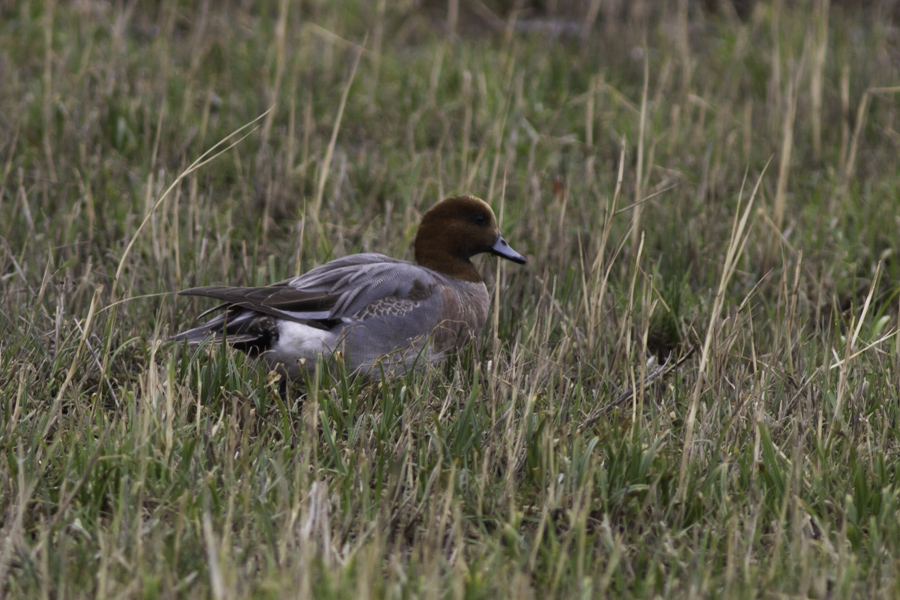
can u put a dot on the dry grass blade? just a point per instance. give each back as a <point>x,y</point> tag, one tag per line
<point>736,246</point>
<point>849,345</point>
<point>74,366</point>
<point>329,152</point>
<point>861,113</point>
<point>204,159</point>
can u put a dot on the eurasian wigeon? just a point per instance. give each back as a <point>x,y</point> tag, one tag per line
<point>381,314</point>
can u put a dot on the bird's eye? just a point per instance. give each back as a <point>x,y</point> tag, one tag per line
<point>479,219</point>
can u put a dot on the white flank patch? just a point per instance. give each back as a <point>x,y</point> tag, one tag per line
<point>297,341</point>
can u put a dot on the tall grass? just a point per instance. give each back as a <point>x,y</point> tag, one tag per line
<point>690,390</point>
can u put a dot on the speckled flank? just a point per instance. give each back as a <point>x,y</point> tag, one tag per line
<point>389,306</point>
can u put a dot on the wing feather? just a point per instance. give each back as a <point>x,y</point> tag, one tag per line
<point>337,290</point>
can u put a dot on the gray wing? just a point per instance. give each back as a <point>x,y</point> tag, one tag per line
<point>356,287</point>
<point>366,285</point>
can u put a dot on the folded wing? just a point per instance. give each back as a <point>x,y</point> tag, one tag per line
<point>353,288</point>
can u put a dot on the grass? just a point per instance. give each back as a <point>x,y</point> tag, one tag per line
<point>715,191</point>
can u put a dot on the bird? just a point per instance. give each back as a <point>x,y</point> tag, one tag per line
<point>378,315</point>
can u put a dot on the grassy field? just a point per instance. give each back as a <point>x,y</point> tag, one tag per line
<point>691,390</point>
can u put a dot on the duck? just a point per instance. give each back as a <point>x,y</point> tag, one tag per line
<point>376,314</point>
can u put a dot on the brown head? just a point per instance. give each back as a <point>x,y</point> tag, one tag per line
<point>455,230</point>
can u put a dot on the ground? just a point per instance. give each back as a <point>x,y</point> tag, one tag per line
<point>690,390</point>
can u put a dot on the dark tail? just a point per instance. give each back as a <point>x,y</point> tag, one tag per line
<point>246,330</point>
